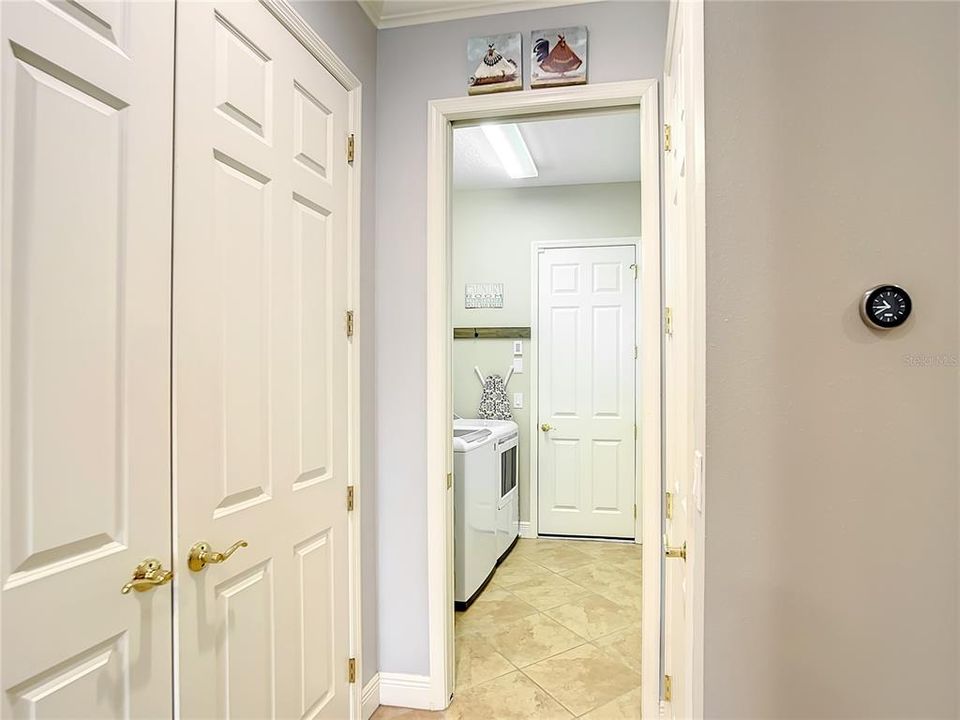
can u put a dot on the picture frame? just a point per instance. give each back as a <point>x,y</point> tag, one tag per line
<point>495,63</point>
<point>558,57</point>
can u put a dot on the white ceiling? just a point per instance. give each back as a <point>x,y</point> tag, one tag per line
<point>571,150</point>
<point>397,13</point>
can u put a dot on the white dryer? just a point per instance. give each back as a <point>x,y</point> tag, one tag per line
<point>486,501</point>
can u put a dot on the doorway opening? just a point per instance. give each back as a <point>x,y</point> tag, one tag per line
<point>545,322</point>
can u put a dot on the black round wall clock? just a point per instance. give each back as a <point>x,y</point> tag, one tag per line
<point>885,306</point>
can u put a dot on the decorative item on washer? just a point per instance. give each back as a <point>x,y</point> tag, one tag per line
<point>494,403</point>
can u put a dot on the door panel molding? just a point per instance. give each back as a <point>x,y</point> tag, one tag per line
<point>104,72</point>
<point>86,132</point>
<point>581,457</point>
<point>304,190</point>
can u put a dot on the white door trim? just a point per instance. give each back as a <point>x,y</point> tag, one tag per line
<point>370,696</point>
<point>648,313</point>
<point>441,113</point>
<point>695,241</point>
<point>294,23</point>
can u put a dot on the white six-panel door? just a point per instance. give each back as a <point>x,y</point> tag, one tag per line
<point>87,131</point>
<point>587,391</point>
<point>260,387</point>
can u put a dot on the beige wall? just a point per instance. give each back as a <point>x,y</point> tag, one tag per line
<point>832,455</point>
<point>492,234</point>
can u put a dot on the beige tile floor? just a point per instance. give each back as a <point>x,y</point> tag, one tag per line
<point>556,634</point>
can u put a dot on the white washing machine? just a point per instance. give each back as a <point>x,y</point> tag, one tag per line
<point>486,501</point>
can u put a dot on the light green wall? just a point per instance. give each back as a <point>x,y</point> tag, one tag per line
<point>492,234</point>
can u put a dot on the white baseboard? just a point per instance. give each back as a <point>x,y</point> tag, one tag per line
<point>370,697</point>
<point>525,531</point>
<point>404,690</point>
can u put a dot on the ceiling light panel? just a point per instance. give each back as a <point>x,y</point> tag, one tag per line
<point>511,150</point>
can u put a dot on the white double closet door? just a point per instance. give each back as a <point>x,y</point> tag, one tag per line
<point>173,364</point>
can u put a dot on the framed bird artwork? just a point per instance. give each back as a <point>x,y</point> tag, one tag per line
<point>558,57</point>
<point>494,64</point>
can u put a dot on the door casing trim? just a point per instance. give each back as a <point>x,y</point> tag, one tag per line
<point>441,115</point>
<point>690,15</point>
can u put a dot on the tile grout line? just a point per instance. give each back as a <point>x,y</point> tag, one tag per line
<point>550,694</point>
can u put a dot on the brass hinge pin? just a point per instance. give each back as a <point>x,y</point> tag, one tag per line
<point>351,148</point>
<point>352,670</point>
<point>349,323</point>
<point>350,498</point>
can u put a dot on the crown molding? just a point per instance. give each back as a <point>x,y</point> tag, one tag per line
<point>380,14</point>
<point>373,9</point>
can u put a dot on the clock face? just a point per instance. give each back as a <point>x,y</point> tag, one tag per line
<point>886,306</point>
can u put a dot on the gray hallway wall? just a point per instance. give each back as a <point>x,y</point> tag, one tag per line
<point>417,64</point>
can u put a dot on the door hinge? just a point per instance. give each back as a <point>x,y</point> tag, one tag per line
<point>667,141</point>
<point>668,506</point>
<point>636,431</point>
<point>352,670</point>
<point>351,148</point>
<point>349,323</point>
<point>636,271</point>
<point>449,480</point>
<point>668,321</point>
<point>350,497</point>
<point>636,352</point>
<point>634,511</point>
<point>667,688</point>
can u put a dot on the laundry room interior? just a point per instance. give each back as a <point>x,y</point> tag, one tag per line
<point>545,245</point>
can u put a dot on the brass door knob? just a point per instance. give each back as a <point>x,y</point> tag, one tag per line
<point>675,552</point>
<point>546,427</point>
<point>202,555</point>
<point>148,575</point>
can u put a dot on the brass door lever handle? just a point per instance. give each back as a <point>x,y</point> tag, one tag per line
<point>202,555</point>
<point>148,575</point>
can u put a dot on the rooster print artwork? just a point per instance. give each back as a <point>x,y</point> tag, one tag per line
<point>563,63</point>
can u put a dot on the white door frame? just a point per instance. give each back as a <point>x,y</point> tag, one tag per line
<point>294,23</point>
<point>646,335</point>
<point>689,13</point>
<point>441,114</point>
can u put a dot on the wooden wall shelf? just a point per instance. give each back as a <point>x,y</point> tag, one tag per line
<point>490,333</point>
